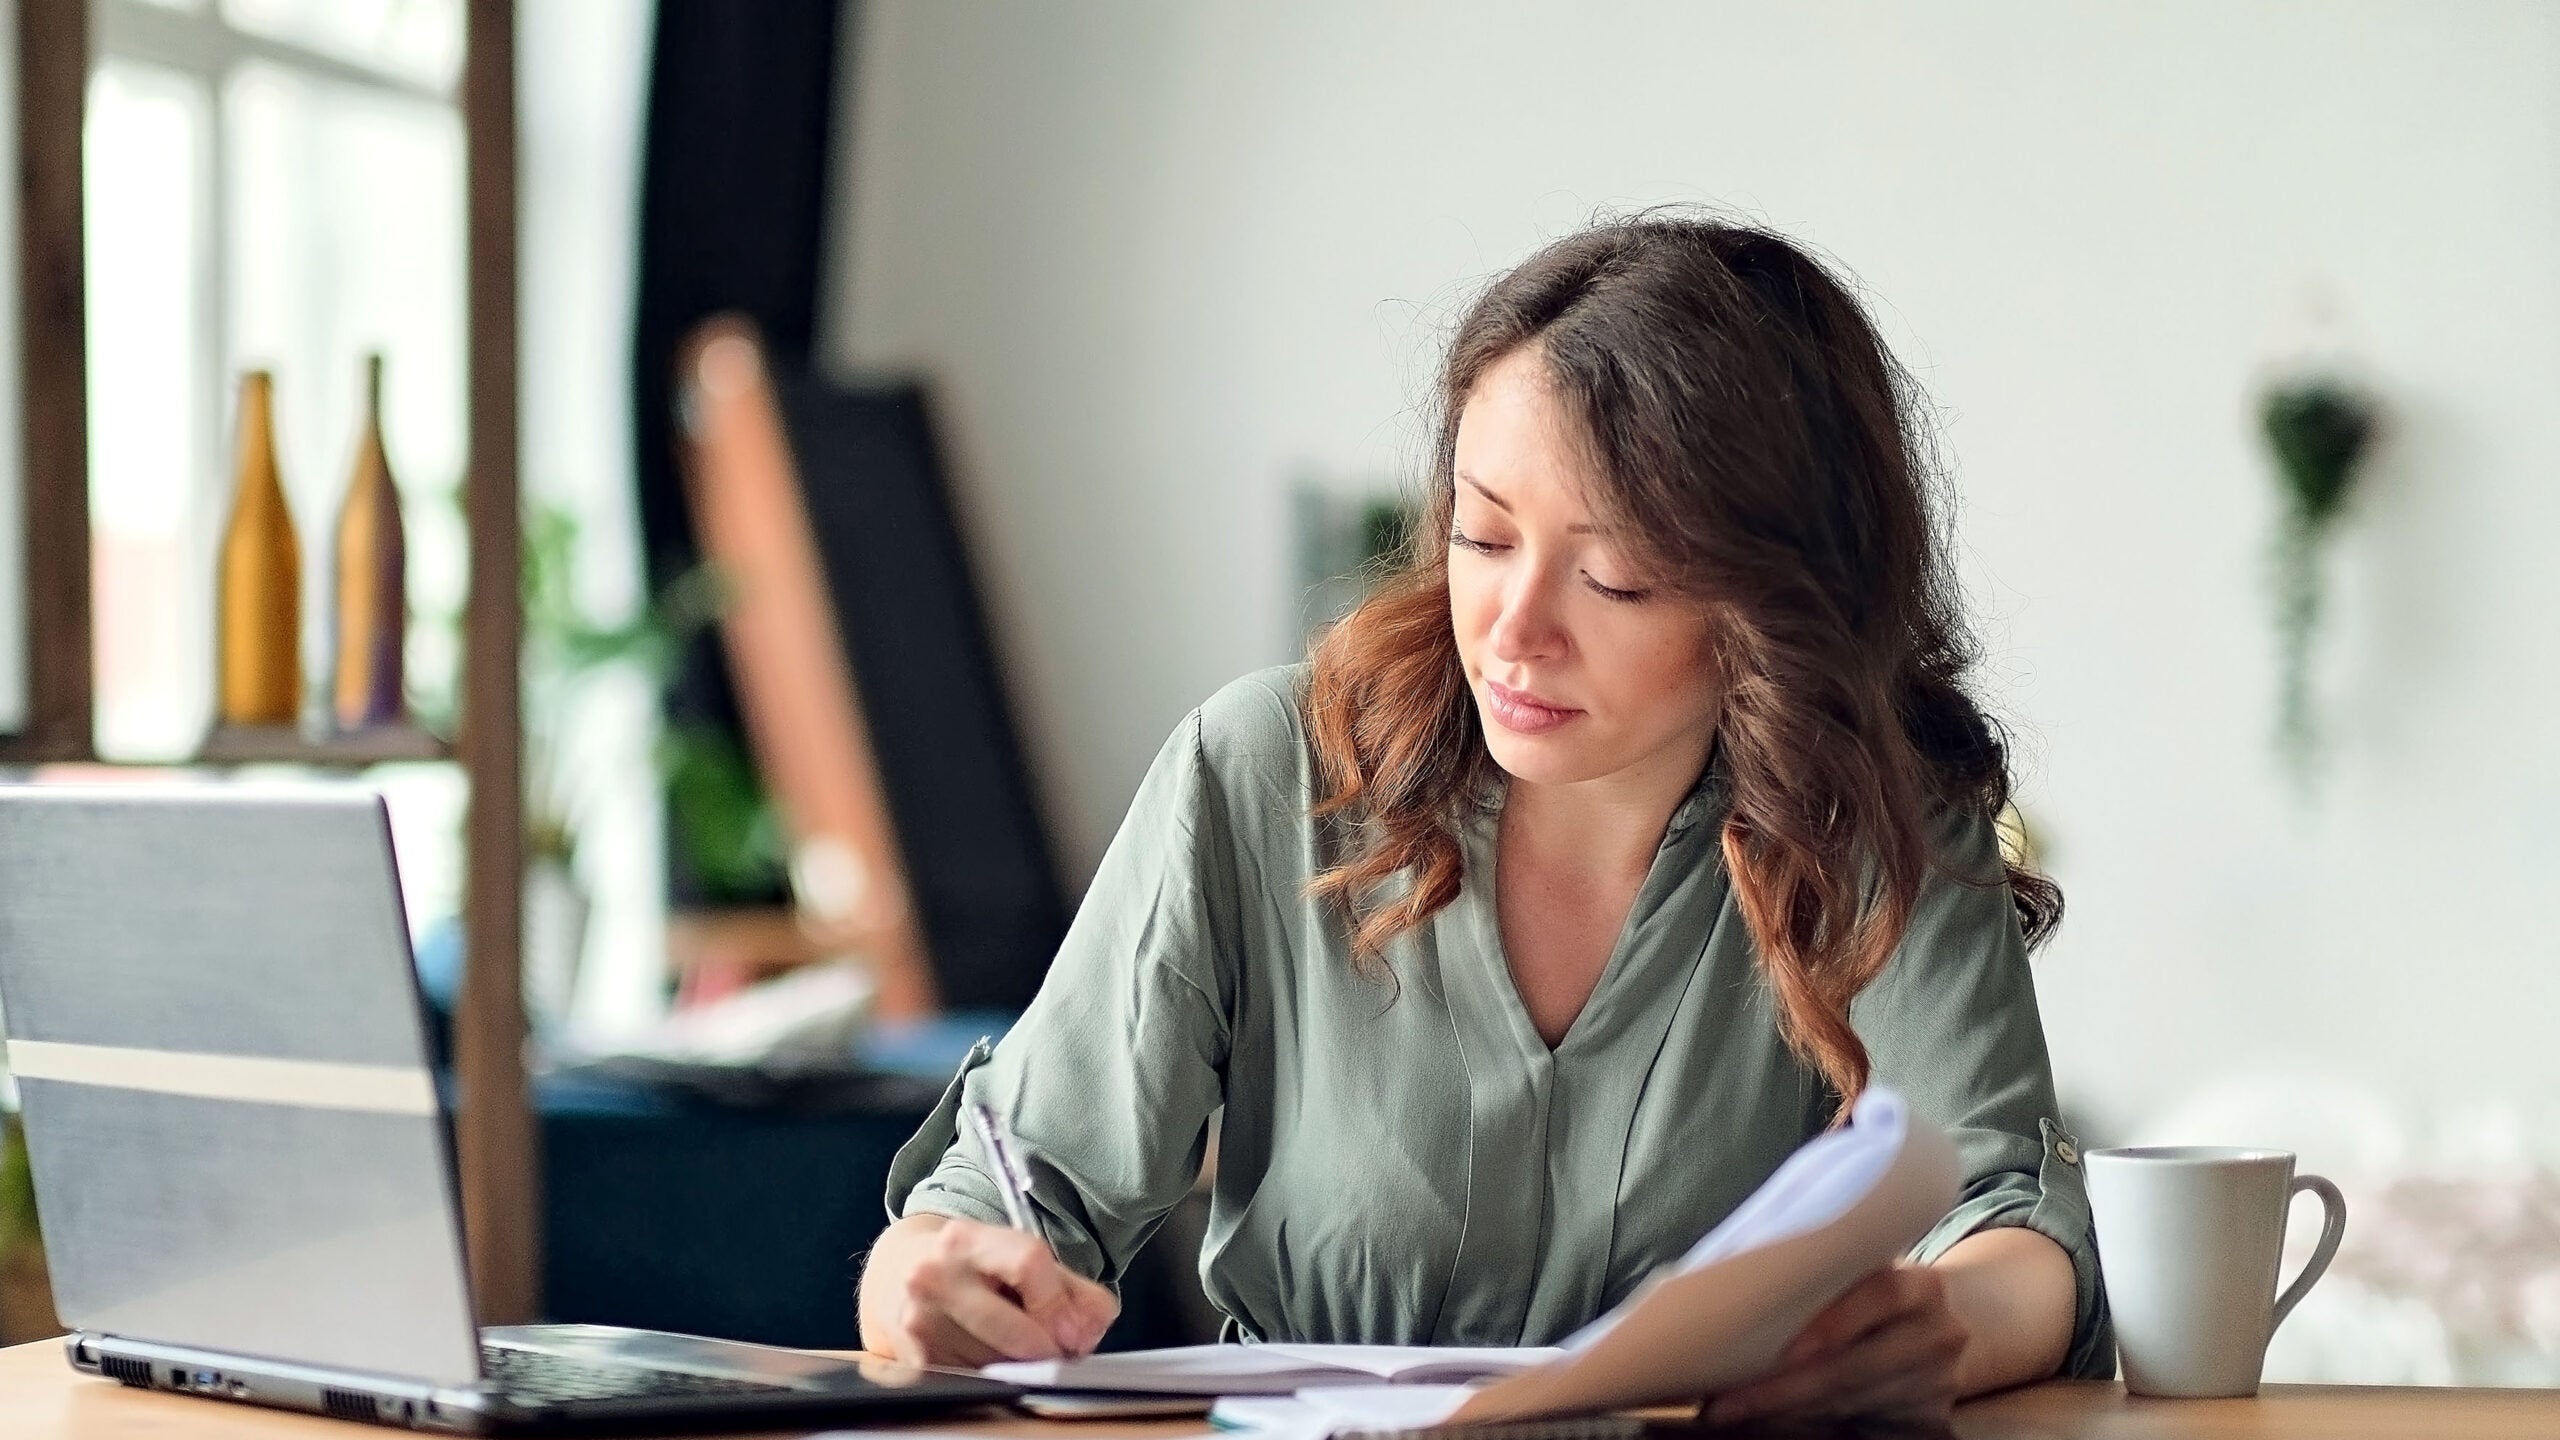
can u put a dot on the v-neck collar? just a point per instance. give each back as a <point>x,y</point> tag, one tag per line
<point>1532,1252</point>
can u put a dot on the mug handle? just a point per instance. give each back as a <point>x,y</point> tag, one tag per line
<point>2332,1230</point>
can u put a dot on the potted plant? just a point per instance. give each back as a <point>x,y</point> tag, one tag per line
<point>722,822</point>
<point>26,1300</point>
<point>2318,428</point>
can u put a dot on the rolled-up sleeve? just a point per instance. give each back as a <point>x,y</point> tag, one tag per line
<point>1110,1077</point>
<point>1952,1024</point>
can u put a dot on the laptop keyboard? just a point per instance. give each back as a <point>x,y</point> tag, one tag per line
<point>542,1378</point>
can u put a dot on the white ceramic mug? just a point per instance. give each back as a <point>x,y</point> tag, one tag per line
<point>2188,1238</point>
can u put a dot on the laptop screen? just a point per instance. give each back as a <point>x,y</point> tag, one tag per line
<point>215,1031</point>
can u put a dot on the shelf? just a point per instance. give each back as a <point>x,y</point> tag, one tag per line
<point>247,745</point>
<point>496,1160</point>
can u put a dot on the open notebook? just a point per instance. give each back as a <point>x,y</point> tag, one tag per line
<point>1270,1369</point>
<point>1847,1203</point>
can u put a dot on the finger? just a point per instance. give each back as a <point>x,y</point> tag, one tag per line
<point>1868,1305</point>
<point>1078,1311</point>
<point>1907,1365</point>
<point>1096,1306</point>
<point>941,1341</point>
<point>999,1322</point>
<point>924,1335</point>
<point>1898,1358</point>
<point>1044,1286</point>
<point>1895,1379</point>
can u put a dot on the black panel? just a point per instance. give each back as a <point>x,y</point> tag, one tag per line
<point>958,791</point>
<point>732,212</point>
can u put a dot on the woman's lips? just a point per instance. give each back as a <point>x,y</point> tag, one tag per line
<point>1522,713</point>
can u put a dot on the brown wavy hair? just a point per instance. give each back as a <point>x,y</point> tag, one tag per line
<point>1777,464</point>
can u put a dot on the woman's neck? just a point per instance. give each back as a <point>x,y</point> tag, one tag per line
<point>1608,825</point>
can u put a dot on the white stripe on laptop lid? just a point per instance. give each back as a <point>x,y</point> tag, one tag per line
<point>255,1079</point>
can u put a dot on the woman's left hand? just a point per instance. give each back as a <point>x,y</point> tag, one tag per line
<point>1889,1346</point>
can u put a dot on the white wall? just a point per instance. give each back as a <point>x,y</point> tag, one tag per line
<point>1161,258</point>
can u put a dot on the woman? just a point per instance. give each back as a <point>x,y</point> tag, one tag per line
<point>1590,867</point>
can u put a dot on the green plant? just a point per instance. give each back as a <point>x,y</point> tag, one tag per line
<point>722,819</point>
<point>725,822</point>
<point>562,649</point>
<point>1343,543</point>
<point>2319,430</point>
<point>17,1190</point>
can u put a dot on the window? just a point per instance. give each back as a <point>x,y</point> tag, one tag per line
<point>271,184</point>
<point>281,184</point>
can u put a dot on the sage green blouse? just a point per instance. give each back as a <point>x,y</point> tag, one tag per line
<point>1412,1164</point>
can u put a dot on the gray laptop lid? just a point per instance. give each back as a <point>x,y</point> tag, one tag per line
<point>215,1031</point>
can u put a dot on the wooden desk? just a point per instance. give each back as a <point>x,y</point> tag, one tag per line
<point>2088,1410</point>
<point>42,1398</point>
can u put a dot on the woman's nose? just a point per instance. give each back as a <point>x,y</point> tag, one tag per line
<point>1525,628</point>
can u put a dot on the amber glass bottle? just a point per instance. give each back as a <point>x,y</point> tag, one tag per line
<point>373,597</point>
<point>259,631</point>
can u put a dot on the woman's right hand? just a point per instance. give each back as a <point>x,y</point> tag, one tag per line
<point>944,1291</point>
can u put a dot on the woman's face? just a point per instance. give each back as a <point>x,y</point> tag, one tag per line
<point>1578,673</point>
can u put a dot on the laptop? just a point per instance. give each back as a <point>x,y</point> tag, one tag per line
<point>241,1155</point>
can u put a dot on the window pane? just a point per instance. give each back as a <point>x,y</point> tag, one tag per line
<point>151,450</point>
<point>418,40</point>
<point>345,234</point>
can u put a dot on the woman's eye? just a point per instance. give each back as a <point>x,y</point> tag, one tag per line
<point>1464,541</point>
<point>1611,592</point>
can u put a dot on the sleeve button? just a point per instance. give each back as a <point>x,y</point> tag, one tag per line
<point>2066,1152</point>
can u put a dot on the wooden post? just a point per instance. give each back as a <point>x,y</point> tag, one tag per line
<point>53,87</point>
<point>494,1132</point>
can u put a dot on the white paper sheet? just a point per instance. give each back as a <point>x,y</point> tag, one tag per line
<point>1316,1413</point>
<point>1846,1204</point>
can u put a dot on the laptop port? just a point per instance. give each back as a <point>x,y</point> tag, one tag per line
<point>177,1379</point>
<point>207,1379</point>
<point>239,1389</point>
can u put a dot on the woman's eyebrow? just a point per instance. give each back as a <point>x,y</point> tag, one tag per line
<point>1504,506</point>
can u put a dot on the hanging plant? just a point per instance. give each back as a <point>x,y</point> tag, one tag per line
<point>2319,429</point>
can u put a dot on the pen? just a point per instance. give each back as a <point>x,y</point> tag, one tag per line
<point>1009,1177</point>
